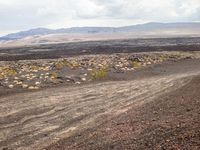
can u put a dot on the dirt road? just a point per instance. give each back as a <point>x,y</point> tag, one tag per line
<point>36,120</point>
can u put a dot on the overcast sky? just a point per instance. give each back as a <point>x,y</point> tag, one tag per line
<point>18,15</point>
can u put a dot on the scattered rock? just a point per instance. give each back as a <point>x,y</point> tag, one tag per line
<point>30,87</point>
<point>24,86</point>
<point>148,63</point>
<point>11,86</point>
<point>37,83</point>
<point>83,79</point>
<point>77,82</point>
<point>42,73</point>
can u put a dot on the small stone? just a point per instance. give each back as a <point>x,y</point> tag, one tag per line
<point>24,86</point>
<point>22,76</point>
<point>19,83</point>
<point>31,88</point>
<point>35,71</point>
<point>144,64</point>
<point>37,83</point>
<point>83,79</point>
<point>36,88</point>
<point>11,86</point>
<point>16,78</point>
<point>15,81</point>
<point>100,65</point>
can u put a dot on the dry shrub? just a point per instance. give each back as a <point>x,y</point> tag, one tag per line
<point>7,71</point>
<point>98,74</point>
<point>136,64</point>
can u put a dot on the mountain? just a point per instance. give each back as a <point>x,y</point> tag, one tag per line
<point>158,26</point>
<point>23,34</point>
<point>152,27</point>
<point>45,31</point>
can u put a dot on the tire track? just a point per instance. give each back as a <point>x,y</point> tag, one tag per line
<point>35,120</point>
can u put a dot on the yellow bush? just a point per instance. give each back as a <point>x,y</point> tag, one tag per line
<point>54,75</point>
<point>62,63</point>
<point>6,71</point>
<point>136,64</point>
<point>161,58</point>
<point>59,65</point>
<point>35,68</point>
<point>98,74</point>
<point>1,76</point>
<point>74,64</point>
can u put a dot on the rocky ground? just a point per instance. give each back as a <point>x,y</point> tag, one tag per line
<point>117,101</point>
<point>37,74</point>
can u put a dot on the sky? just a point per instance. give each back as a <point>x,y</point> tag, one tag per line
<point>17,15</point>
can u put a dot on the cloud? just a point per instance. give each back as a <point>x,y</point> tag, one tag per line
<point>25,14</point>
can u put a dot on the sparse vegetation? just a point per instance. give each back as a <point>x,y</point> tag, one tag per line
<point>85,68</point>
<point>34,68</point>
<point>161,58</point>
<point>64,63</point>
<point>98,74</point>
<point>7,71</point>
<point>74,64</point>
<point>137,64</point>
<point>54,75</point>
<point>59,65</point>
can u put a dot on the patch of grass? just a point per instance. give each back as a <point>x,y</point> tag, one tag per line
<point>161,58</point>
<point>136,64</point>
<point>98,74</point>
<point>7,71</point>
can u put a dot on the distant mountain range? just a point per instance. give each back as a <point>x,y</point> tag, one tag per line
<point>148,28</point>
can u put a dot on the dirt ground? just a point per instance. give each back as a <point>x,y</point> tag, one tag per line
<point>158,109</point>
<point>170,122</point>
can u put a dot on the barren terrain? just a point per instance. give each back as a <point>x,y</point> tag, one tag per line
<point>62,50</point>
<point>147,102</point>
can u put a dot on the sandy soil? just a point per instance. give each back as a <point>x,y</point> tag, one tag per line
<point>135,114</point>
